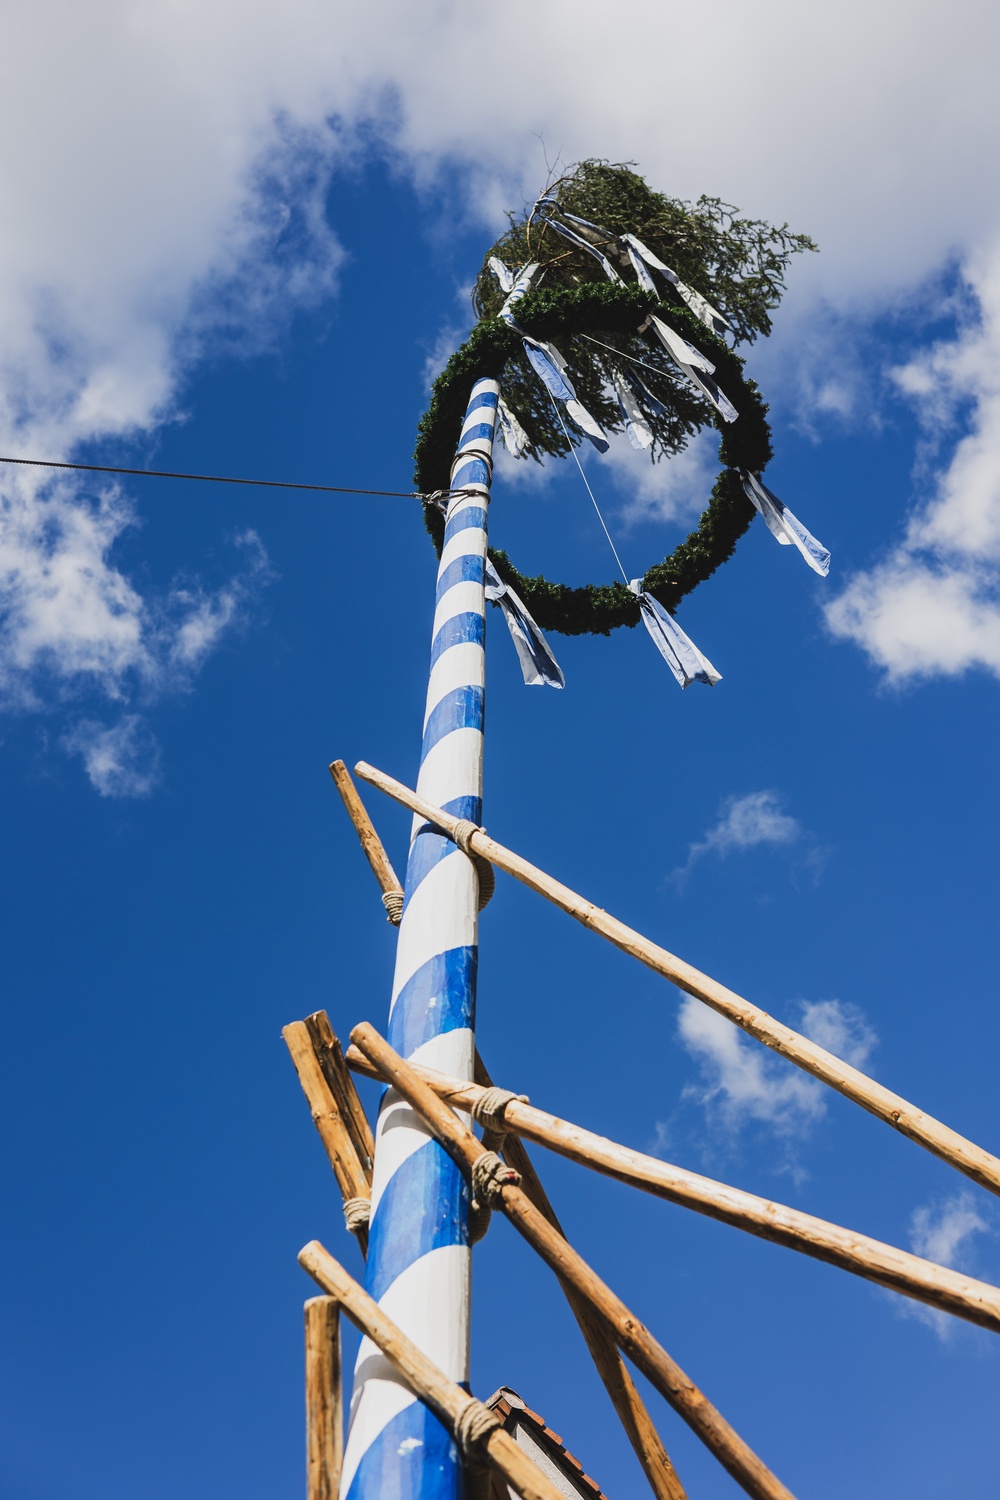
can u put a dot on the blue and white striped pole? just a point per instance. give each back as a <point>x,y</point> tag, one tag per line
<point>418,1253</point>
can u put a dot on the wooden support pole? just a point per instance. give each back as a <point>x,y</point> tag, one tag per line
<point>951,1147</point>
<point>370,842</point>
<point>330,1057</point>
<point>446,1400</point>
<point>328,1119</point>
<point>898,1270</point>
<point>632,1412</point>
<point>630,1335</point>
<point>324,1402</point>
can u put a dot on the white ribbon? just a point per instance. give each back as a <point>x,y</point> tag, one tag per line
<point>642,260</point>
<point>696,367</point>
<point>550,367</point>
<point>699,305</point>
<point>514,436</point>
<point>678,651</point>
<point>503,273</point>
<point>538,666</point>
<point>578,239</point>
<point>639,434</point>
<point>787,528</point>
<point>546,361</point>
<point>520,287</point>
<point>641,389</point>
<point>683,353</point>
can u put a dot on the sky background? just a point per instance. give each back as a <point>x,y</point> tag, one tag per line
<point>240,239</point>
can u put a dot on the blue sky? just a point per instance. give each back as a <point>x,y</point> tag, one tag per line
<point>248,266</point>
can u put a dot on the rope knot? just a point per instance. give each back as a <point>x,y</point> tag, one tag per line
<point>464,829</point>
<point>473,1424</point>
<point>357,1213</point>
<point>393,903</point>
<point>490,1175</point>
<point>489,1107</point>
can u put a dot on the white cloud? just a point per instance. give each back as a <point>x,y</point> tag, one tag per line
<point>942,1231</point>
<point>742,1083</point>
<point>841,1028</point>
<point>169,165</point>
<point>673,490</point>
<point>200,618</point>
<point>932,606</point>
<point>740,1080</point>
<point>121,760</point>
<point>743,823</point>
<point>70,619</point>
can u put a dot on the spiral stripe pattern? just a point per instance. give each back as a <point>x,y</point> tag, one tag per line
<point>418,1255</point>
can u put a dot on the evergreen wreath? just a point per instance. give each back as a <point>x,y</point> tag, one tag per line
<point>738,264</point>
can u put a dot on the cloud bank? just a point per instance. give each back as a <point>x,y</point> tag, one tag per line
<point>168,166</point>
<point>932,607</point>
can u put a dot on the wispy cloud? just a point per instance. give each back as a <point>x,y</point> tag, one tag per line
<point>121,759</point>
<point>672,491</point>
<point>71,621</point>
<point>944,1231</point>
<point>841,1028</point>
<point>740,1080</point>
<point>742,1084</point>
<point>743,823</point>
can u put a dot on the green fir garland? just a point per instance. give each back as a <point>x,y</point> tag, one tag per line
<point>578,301</point>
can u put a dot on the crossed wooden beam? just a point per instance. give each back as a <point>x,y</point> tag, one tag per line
<point>608,1326</point>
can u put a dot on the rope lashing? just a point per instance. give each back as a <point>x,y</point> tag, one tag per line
<point>357,1213</point>
<point>393,903</point>
<point>473,1425</point>
<point>464,829</point>
<point>488,1110</point>
<point>490,1175</point>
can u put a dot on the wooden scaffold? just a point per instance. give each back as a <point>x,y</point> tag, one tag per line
<point>415,1430</point>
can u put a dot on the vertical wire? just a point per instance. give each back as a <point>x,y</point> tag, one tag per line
<point>572,449</point>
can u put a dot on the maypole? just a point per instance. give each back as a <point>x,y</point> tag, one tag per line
<point>418,1266</point>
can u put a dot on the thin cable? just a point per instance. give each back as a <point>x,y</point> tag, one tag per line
<point>621,352</point>
<point>274,484</point>
<point>572,449</point>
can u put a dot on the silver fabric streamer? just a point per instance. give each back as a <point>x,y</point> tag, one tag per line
<point>698,304</point>
<point>514,436</point>
<point>696,367</point>
<point>539,667</point>
<point>788,529</point>
<point>636,426</point>
<point>677,649</point>
<point>503,273</point>
<point>546,361</point>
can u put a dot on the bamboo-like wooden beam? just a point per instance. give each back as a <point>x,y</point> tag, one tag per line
<point>631,1336</point>
<point>898,1270</point>
<point>328,1119</point>
<point>639,1427</point>
<point>446,1399</point>
<point>324,1400</point>
<point>330,1057</point>
<point>922,1128</point>
<point>370,842</point>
